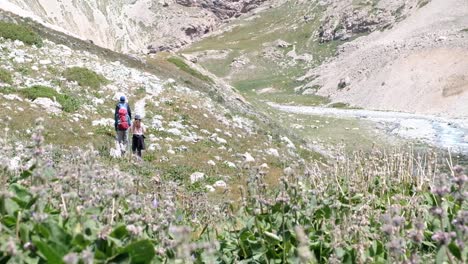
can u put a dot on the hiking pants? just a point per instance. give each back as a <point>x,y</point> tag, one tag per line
<point>138,144</point>
<point>122,138</point>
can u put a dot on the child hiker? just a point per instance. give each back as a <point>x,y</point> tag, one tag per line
<point>138,140</point>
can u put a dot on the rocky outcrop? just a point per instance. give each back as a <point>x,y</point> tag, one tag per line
<point>223,9</point>
<point>345,19</point>
<point>136,26</point>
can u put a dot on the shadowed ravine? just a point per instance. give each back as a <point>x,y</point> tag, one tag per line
<point>437,131</point>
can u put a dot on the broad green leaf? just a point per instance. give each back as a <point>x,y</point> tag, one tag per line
<point>120,232</point>
<point>140,252</point>
<point>455,250</point>
<point>441,254</point>
<point>48,252</point>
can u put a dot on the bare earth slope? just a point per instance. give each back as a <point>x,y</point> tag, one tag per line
<point>420,65</point>
<point>132,26</point>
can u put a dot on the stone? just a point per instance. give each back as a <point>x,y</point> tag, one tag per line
<point>230,164</point>
<point>49,105</point>
<point>45,62</point>
<point>210,188</point>
<point>344,82</point>
<point>196,176</point>
<point>174,131</point>
<point>220,184</point>
<point>103,122</point>
<point>273,152</point>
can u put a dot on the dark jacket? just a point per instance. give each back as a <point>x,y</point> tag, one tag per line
<point>116,114</point>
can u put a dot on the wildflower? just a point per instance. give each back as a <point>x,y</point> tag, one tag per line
<point>39,217</point>
<point>87,256</point>
<point>155,203</point>
<point>28,246</point>
<point>461,222</point>
<point>71,258</point>
<point>11,247</point>
<point>134,230</point>
<point>437,211</point>
<point>398,221</point>
<point>443,238</point>
<point>458,170</point>
<point>416,236</point>
<point>440,191</point>
<point>388,229</point>
<point>396,246</point>
<point>460,180</point>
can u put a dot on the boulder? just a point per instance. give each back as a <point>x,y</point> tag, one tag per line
<point>49,105</point>
<point>196,176</point>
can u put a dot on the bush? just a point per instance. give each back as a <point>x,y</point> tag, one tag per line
<point>69,103</point>
<point>20,32</point>
<point>5,77</point>
<point>186,68</point>
<point>85,77</point>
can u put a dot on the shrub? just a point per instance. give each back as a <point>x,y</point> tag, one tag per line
<point>20,32</point>
<point>5,76</point>
<point>186,68</point>
<point>85,77</point>
<point>69,103</point>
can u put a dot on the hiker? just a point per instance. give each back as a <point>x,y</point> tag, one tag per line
<point>123,121</point>
<point>138,139</point>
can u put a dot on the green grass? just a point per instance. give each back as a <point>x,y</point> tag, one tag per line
<point>182,65</point>
<point>85,77</point>
<point>5,76</point>
<point>69,103</point>
<point>249,38</point>
<point>20,32</point>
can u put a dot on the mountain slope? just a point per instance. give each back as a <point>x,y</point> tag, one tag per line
<point>133,26</point>
<point>420,65</point>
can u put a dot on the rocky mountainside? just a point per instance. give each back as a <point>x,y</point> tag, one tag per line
<point>419,65</point>
<point>133,26</point>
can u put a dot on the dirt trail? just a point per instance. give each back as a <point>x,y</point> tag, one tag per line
<point>437,131</point>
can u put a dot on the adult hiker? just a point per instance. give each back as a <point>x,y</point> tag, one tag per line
<point>123,121</point>
<point>138,139</point>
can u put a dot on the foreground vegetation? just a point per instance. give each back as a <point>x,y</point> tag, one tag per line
<point>65,207</point>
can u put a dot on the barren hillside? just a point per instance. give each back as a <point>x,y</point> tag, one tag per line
<point>133,26</point>
<point>420,65</point>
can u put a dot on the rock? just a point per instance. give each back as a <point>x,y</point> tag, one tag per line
<point>344,82</point>
<point>154,147</point>
<point>288,142</point>
<point>282,44</point>
<point>13,97</point>
<point>220,184</point>
<point>248,158</point>
<point>171,151</point>
<point>221,140</point>
<point>19,60</point>
<point>45,62</point>
<point>230,164</point>
<point>210,188</point>
<point>103,122</point>
<point>49,105</point>
<point>18,43</point>
<point>196,176</point>
<point>273,152</point>
<point>288,172</point>
<point>211,163</point>
<point>174,131</point>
